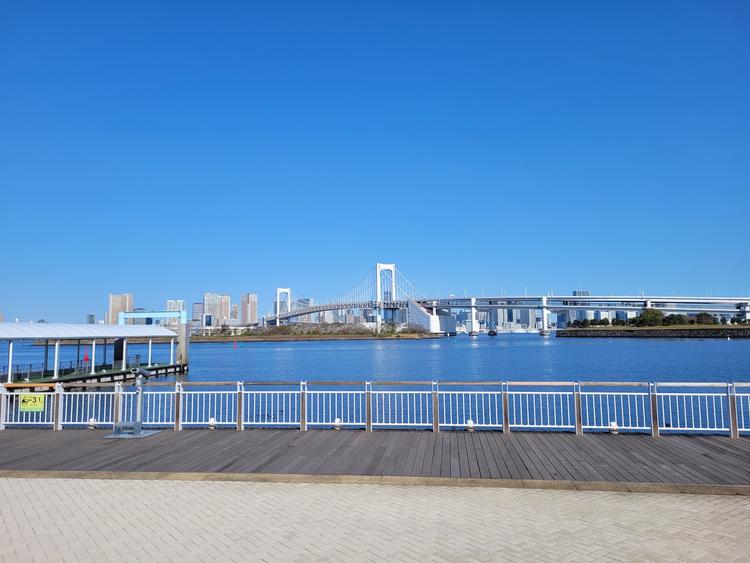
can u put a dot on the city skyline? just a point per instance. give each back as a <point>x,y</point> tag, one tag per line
<point>486,150</point>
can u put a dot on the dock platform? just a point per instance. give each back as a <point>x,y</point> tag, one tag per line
<point>708,464</point>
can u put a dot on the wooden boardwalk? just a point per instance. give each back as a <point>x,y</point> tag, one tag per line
<point>704,460</point>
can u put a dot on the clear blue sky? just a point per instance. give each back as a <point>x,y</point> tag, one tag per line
<point>168,150</point>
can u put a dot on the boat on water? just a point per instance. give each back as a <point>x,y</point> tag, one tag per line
<point>492,332</point>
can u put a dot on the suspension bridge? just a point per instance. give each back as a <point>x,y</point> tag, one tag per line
<point>385,292</point>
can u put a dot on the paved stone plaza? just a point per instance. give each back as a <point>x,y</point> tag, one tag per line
<point>162,520</point>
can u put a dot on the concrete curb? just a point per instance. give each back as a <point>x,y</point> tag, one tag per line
<point>611,486</point>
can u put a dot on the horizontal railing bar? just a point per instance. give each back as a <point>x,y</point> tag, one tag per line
<point>539,383</point>
<point>613,384</point>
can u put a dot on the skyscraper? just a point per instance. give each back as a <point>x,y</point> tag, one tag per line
<point>218,306</point>
<point>91,319</point>
<point>118,303</point>
<point>235,312</point>
<point>249,310</point>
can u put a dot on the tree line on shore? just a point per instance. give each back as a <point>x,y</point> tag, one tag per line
<point>654,317</point>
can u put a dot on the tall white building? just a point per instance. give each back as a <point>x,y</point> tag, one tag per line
<point>118,303</point>
<point>175,305</point>
<point>249,309</point>
<point>219,308</point>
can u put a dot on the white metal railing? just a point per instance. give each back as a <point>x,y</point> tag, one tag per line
<point>624,411</point>
<point>579,407</point>
<point>16,415</point>
<point>471,409</point>
<point>402,408</point>
<point>271,408</point>
<point>158,408</point>
<point>693,411</point>
<point>547,410</point>
<point>328,407</point>
<point>209,408</point>
<point>743,412</point>
<point>87,407</point>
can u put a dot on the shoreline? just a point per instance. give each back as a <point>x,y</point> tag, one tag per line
<point>657,332</point>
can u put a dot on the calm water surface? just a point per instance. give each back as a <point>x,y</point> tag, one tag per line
<point>461,358</point>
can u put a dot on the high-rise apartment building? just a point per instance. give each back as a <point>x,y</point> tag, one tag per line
<point>235,314</point>
<point>249,309</point>
<point>91,319</point>
<point>198,313</point>
<point>118,303</point>
<point>218,307</point>
<point>174,305</point>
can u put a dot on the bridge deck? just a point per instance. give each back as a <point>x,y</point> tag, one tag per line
<point>705,460</point>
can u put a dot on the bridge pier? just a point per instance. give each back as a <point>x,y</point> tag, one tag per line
<point>545,314</point>
<point>474,329</point>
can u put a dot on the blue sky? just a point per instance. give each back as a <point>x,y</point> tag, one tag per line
<point>168,149</point>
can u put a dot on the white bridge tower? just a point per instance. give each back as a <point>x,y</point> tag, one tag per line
<point>380,268</point>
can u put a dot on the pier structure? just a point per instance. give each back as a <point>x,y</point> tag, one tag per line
<point>109,359</point>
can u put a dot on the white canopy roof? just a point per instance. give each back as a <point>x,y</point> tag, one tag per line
<point>54,331</point>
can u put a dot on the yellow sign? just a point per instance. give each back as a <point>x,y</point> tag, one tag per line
<point>32,403</point>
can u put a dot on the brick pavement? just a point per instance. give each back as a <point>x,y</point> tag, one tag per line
<point>110,520</point>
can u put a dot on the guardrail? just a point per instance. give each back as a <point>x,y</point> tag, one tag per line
<point>655,408</point>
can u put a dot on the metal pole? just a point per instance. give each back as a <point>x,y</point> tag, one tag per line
<point>57,408</point>
<point>124,354</point>
<point>3,406</point>
<point>178,406</point>
<point>506,410</point>
<point>240,415</point>
<point>303,406</point>
<point>10,361</point>
<point>368,406</point>
<point>46,357</point>
<point>577,402</point>
<point>117,404</point>
<point>734,430</point>
<point>93,356</point>
<point>171,351</point>
<point>78,355</point>
<point>56,368</point>
<point>652,392</point>
<point>150,340</point>
<point>435,408</point>
<point>105,352</point>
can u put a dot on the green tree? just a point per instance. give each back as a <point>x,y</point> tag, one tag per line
<point>705,319</point>
<point>650,317</point>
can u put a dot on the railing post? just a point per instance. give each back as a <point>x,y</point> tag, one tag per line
<point>3,406</point>
<point>577,403</point>
<point>303,406</point>
<point>506,410</point>
<point>240,401</point>
<point>57,408</point>
<point>117,405</point>
<point>734,430</point>
<point>652,393</point>
<point>177,406</point>
<point>435,408</point>
<point>368,406</point>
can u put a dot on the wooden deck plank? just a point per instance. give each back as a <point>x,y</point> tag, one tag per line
<point>481,454</point>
